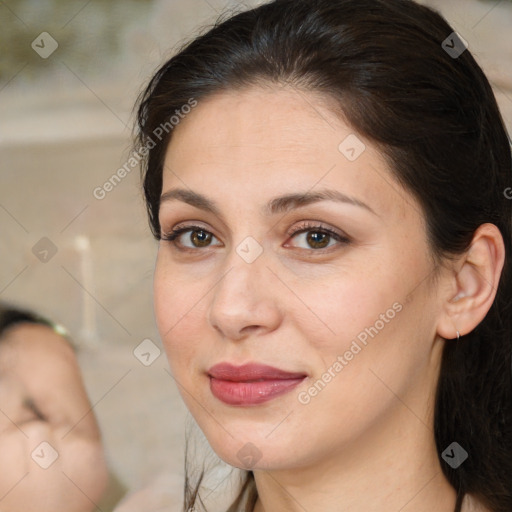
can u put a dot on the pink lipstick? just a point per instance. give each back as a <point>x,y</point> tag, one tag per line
<point>250,384</point>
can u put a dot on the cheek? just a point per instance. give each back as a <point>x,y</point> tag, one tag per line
<point>179,304</point>
<point>342,307</point>
<point>170,296</point>
<point>364,332</point>
<point>375,347</point>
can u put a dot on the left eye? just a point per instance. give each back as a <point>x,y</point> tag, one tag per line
<point>318,237</point>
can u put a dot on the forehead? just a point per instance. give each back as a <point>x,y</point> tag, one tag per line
<point>265,140</point>
<point>279,119</point>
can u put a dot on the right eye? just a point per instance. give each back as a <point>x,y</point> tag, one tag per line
<point>198,238</point>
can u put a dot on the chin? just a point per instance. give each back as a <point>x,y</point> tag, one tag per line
<point>245,445</point>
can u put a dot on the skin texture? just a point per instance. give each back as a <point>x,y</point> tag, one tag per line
<point>39,367</point>
<point>365,441</point>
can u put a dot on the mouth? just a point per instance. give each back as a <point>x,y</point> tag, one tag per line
<point>251,384</point>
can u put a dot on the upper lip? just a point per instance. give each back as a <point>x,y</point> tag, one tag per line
<point>251,372</point>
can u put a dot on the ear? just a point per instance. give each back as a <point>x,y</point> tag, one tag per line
<point>473,284</point>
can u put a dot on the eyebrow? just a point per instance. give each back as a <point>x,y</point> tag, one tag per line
<point>276,205</point>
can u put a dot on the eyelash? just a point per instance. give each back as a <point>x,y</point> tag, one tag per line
<point>306,227</point>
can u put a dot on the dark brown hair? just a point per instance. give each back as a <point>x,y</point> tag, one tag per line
<point>11,316</point>
<point>435,118</point>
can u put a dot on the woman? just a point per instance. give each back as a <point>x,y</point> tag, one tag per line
<point>327,179</point>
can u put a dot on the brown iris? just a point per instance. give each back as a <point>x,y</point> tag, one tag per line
<point>203,239</point>
<point>317,239</point>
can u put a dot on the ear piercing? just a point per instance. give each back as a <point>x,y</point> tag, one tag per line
<point>458,335</point>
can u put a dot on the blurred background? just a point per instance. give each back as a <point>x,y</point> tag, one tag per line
<point>70,72</point>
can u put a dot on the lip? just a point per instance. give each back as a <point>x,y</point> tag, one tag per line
<point>251,383</point>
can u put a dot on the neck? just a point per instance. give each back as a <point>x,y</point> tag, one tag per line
<point>392,467</point>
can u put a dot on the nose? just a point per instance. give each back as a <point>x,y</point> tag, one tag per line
<point>245,300</point>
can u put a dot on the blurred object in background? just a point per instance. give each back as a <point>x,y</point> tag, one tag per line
<point>52,454</point>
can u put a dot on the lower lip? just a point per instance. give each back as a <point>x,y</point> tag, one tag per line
<point>251,393</point>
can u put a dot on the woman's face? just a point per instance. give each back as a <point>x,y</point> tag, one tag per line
<point>350,316</point>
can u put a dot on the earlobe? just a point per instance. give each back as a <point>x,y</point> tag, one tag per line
<point>475,282</point>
